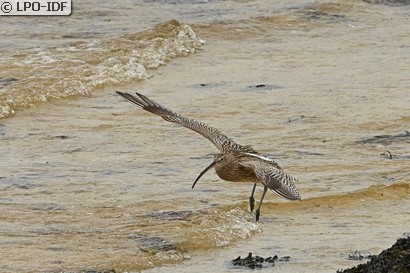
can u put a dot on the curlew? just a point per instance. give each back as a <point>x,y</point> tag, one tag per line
<point>235,162</point>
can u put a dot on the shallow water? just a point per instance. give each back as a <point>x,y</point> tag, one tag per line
<point>93,182</point>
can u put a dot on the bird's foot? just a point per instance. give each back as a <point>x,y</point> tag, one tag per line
<point>251,203</point>
<point>257,214</point>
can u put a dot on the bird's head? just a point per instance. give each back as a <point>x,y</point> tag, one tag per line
<point>218,158</point>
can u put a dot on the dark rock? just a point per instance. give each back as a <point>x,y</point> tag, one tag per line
<point>153,244</point>
<point>306,153</point>
<point>386,139</point>
<point>389,2</point>
<point>249,261</point>
<point>265,86</point>
<point>257,261</point>
<point>2,129</point>
<point>56,137</point>
<point>208,85</point>
<point>271,259</point>
<point>396,259</point>
<point>6,81</point>
<point>61,137</point>
<point>98,271</point>
<point>285,259</point>
<point>90,270</point>
<point>318,15</point>
<point>170,215</point>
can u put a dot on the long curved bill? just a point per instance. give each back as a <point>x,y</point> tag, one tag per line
<point>203,172</point>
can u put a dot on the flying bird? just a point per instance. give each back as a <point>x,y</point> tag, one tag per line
<point>235,162</point>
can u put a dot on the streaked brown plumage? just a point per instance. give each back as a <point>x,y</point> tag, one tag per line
<point>235,162</point>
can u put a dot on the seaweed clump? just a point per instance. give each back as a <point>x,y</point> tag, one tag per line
<point>257,261</point>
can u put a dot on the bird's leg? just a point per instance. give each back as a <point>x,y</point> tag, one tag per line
<point>258,210</point>
<point>251,199</point>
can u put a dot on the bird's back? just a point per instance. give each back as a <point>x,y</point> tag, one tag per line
<point>270,174</point>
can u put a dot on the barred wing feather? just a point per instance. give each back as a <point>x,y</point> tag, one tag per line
<point>282,184</point>
<point>275,179</point>
<point>221,141</point>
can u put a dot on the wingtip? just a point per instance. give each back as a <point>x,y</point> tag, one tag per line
<point>123,94</point>
<point>141,96</point>
<point>298,197</point>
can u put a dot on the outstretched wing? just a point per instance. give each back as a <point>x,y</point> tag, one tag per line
<point>274,178</point>
<point>221,141</point>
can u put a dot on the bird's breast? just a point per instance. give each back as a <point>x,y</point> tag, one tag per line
<point>235,172</point>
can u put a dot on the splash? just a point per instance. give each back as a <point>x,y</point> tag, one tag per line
<point>223,227</point>
<point>80,68</point>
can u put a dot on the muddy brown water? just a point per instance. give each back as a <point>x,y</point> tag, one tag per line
<point>93,182</point>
